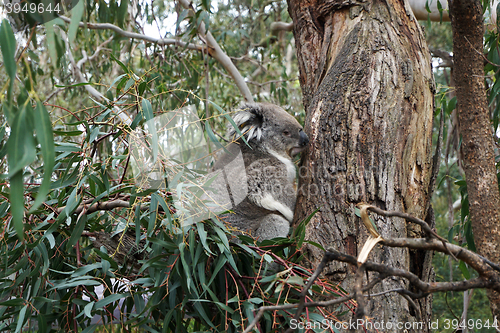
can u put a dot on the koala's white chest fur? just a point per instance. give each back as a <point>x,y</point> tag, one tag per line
<point>290,167</point>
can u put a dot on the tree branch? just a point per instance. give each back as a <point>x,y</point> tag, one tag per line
<point>120,202</point>
<point>486,280</point>
<point>128,34</point>
<point>488,272</point>
<point>216,52</point>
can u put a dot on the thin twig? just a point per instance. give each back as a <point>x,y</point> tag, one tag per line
<point>327,257</point>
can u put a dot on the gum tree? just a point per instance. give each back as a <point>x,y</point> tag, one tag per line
<point>367,84</point>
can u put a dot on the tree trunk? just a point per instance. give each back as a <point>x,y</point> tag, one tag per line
<point>366,77</point>
<point>477,137</point>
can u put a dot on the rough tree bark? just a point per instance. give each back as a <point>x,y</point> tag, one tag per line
<point>365,73</point>
<point>477,137</point>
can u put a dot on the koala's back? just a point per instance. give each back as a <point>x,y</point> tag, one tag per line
<point>267,209</point>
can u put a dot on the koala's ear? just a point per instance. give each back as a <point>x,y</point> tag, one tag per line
<point>249,121</point>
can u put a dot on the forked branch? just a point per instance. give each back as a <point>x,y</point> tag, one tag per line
<point>489,272</point>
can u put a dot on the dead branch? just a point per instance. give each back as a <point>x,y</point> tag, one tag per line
<point>409,218</point>
<point>487,270</point>
<point>483,281</point>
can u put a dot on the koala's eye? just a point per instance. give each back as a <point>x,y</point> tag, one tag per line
<point>286,132</point>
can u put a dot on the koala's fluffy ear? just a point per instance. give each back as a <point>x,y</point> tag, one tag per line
<point>249,121</point>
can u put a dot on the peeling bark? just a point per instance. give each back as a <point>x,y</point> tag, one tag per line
<point>366,78</point>
<point>477,136</point>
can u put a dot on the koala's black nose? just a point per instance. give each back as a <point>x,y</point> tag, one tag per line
<point>304,139</point>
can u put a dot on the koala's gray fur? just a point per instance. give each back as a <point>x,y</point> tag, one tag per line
<point>262,194</point>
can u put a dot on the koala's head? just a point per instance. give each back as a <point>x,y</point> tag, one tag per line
<point>269,127</point>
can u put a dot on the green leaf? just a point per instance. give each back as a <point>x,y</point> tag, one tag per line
<point>85,269</point>
<point>136,121</point>
<point>16,198</point>
<point>469,236</point>
<point>77,232</point>
<point>129,84</point>
<point>295,280</point>
<point>319,246</point>
<point>72,86</point>
<point>185,266</point>
<point>138,303</point>
<point>203,236</point>
<point>88,308</point>
<point>122,12</point>
<point>171,246</point>
<point>76,16</point>
<point>148,114</point>
<point>206,5</point>
<point>256,300</point>
<point>147,109</point>
<point>497,10</point>
<point>42,323</point>
<point>51,41</point>
<point>8,46</point>
<point>105,266</point>
<point>221,261</point>
<point>269,278</point>
<point>199,308</point>
<point>20,319</point>
<point>141,88</point>
<point>72,203</point>
<point>212,136</point>
<point>21,146</point>
<point>3,208</point>
<point>13,302</point>
<point>119,78</point>
<point>68,133</point>
<point>45,256</point>
<point>43,128</point>
<point>125,69</point>
<point>110,299</point>
<point>440,9</point>
<point>249,310</point>
<point>464,270</point>
<point>82,281</point>
<point>451,105</point>
<point>299,233</point>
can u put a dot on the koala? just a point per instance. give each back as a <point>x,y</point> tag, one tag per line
<point>261,187</point>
